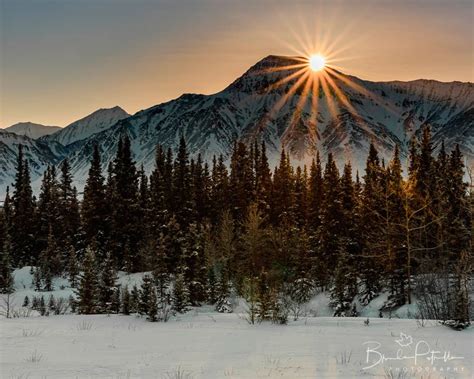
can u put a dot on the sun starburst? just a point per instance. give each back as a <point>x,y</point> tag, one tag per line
<point>313,77</point>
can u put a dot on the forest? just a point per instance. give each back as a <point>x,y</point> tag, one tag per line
<point>201,232</point>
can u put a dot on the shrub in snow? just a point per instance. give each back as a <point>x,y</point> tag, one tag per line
<point>280,310</point>
<point>223,305</point>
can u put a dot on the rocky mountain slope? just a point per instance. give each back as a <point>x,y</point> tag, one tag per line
<point>262,104</point>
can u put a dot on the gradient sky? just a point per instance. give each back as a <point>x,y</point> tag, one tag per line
<point>63,59</point>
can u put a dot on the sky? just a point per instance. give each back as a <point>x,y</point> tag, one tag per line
<point>62,59</point>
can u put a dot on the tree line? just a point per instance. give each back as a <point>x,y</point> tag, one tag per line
<point>216,228</point>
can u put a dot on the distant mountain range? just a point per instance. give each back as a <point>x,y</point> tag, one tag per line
<point>385,113</point>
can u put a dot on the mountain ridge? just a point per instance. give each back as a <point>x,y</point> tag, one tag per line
<point>385,113</point>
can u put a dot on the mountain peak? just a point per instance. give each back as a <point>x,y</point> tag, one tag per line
<point>266,71</point>
<point>31,129</point>
<point>93,123</point>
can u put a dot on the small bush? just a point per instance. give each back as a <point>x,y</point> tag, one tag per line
<point>35,357</point>
<point>84,325</point>
<point>31,333</point>
<point>178,373</point>
<point>344,357</point>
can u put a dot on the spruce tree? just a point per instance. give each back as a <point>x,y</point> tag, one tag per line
<point>283,192</point>
<point>180,296</point>
<point>329,234</point>
<point>315,194</point>
<point>48,210</point>
<point>134,299</point>
<point>69,217</point>
<point>145,299</point>
<point>73,267</point>
<point>125,301</point>
<point>107,284</point>
<point>194,264</point>
<point>219,191</point>
<point>88,288</point>
<point>94,206</point>
<point>125,210</point>
<point>263,180</point>
<point>152,308</point>
<point>241,181</point>
<point>6,272</point>
<point>22,218</point>
<point>372,206</point>
<point>182,186</point>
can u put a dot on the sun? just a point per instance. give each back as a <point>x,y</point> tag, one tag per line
<point>317,62</point>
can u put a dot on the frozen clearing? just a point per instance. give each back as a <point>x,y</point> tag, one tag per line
<point>208,345</point>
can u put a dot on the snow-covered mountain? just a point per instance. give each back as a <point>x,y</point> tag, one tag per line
<point>85,127</point>
<point>38,153</point>
<point>385,113</point>
<point>53,148</point>
<point>259,106</point>
<point>32,130</point>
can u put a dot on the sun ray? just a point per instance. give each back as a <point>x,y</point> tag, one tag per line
<point>364,91</point>
<point>332,106</point>
<point>313,118</point>
<point>339,94</point>
<point>285,68</point>
<point>288,78</point>
<point>296,116</point>
<point>281,102</point>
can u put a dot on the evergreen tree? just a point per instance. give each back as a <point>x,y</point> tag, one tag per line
<point>69,217</point>
<point>94,206</point>
<point>300,209</point>
<point>180,297</point>
<point>152,309</point>
<point>88,289</point>
<point>146,292</point>
<point>219,192</point>
<point>315,194</point>
<point>48,210</point>
<point>107,284</point>
<point>50,258</point>
<point>329,234</point>
<point>134,299</point>
<point>372,205</point>
<point>283,192</point>
<point>116,304</point>
<point>159,207</point>
<point>22,218</point>
<point>160,272</point>
<point>126,308</point>
<point>73,267</point>
<point>263,180</point>
<point>125,210</point>
<point>182,186</point>
<point>194,264</point>
<point>6,277</point>
<point>241,181</point>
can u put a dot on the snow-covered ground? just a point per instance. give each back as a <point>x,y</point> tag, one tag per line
<point>206,344</point>
<point>210,345</point>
